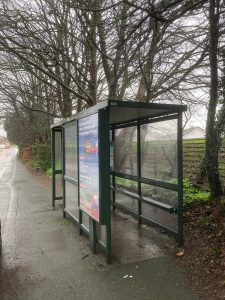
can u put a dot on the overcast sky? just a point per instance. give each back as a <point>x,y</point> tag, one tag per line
<point>198,118</point>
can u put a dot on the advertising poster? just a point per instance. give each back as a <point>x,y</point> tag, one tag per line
<point>89,166</point>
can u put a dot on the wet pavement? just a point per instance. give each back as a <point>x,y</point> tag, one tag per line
<point>43,256</point>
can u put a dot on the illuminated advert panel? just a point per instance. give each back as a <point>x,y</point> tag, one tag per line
<point>89,166</point>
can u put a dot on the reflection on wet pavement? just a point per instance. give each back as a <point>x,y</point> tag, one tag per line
<point>8,202</point>
<point>132,242</point>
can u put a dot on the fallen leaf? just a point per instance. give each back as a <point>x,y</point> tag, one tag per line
<point>180,252</point>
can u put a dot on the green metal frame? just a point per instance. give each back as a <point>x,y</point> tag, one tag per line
<point>65,177</point>
<point>139,179</point>
<point>103,110</point>
<point>139,171</point>
<point>63,172</point>
<point>104,171</point>
<point>104,184</point>
<point>180,179</point>
<point>54,171</point>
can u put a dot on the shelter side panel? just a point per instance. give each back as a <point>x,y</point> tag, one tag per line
<point>89,166</point>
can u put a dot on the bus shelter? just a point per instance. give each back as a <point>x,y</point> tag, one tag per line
<point>120,155</point>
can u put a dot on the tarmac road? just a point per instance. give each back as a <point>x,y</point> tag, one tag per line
<point>44,257</point>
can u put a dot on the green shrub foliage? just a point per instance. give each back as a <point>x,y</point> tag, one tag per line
<point>192,194</point>
<point>41,157</point>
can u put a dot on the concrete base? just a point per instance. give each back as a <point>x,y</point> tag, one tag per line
<point>132,242</point>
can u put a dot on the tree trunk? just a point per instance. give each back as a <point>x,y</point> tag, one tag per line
<point>211,145</point>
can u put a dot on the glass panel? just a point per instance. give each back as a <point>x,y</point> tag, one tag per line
<point>163,217</point>
<point>159,151</point>
<point>72,199</point>
<point>58,185</point>
<point>58,151</point>
<point>160,194</point>
<point>101,233</point>
<point>85,220</point>
<point>125,150</point>
<point>126,184</point>
<point>71,151</point>
<point>127,201</point>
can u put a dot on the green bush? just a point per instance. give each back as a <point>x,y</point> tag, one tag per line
<point>41,157</point>
<point>192,194</point>
<point>49,172</point>
<point>126,183</point>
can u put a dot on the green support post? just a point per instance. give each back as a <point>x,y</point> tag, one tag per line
<point>108,241</point>
<point>113,176</point>
<point>104,168</point>
<point>180,179</point>
<point>53,168</point>
<point>80,222</point>
<point>92,234</point>
<point>63,171</point>
<point>139,170</point>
